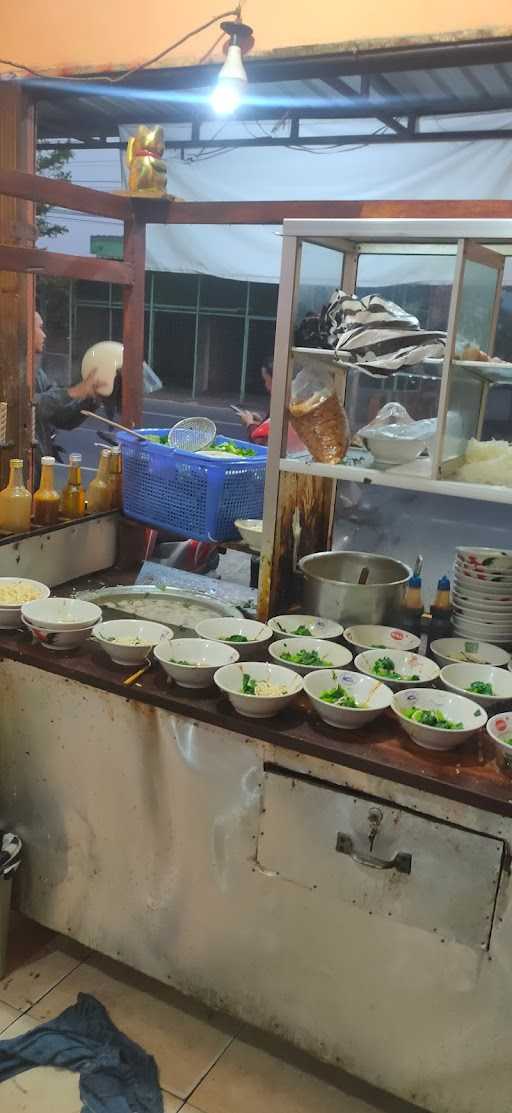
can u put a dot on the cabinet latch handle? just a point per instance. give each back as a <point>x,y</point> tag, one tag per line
<point>401,862</point>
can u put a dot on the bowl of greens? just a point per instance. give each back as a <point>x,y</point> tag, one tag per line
<point>306,654</point>
<point>499,728</point>
<point>488,685</point>
<point>257,689</point>
<point>397,668</point>
<point>193,662</point>
<point>346,699</point>
<point>243,634</point>
<point>437,720</point>
<point>304,626</point>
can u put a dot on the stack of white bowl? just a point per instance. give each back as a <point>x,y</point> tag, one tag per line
<point>482,595</point>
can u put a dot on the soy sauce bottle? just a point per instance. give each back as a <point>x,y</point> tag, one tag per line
<point>412,610</point>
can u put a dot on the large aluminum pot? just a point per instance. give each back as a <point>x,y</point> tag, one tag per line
<point>331,587</point>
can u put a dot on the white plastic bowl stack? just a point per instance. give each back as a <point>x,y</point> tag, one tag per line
<point>60,623</point>
<point>482,595</point>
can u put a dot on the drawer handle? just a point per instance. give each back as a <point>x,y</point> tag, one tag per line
<point>400,862</point>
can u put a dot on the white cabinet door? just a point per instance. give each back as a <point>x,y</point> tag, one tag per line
<point>387,861</point>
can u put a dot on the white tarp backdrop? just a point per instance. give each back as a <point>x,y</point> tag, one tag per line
<point>472,170</point>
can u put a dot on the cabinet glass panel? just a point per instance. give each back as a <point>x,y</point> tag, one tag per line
<point>420,284</point>
<point>320,274</point>
<point>476,307</point>
<point>474,337</point>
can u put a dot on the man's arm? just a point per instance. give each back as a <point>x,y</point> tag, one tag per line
<point>61,406</point>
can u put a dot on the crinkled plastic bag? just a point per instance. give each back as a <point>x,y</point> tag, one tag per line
<point>394,422</point>
<point>150,379</point>
<point>318,417</point>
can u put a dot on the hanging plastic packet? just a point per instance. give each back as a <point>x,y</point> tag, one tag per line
<point>150,379</point>
<point>318,417</point>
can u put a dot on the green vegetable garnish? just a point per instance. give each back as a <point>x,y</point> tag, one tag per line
<point>174,661</point>
<point>305,657</point>
<point>385,668</point>
<point>431,718</point>
<point>232,449</point>
<point>299,632</point>
<point>248,685</point>
<point>237,638</point>
<point>156,439</point>
<point>480,688</point>
<point>338,696</point>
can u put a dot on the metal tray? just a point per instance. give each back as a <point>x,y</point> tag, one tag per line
<point>105,595</point>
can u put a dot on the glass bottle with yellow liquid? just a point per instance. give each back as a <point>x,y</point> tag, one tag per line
<point>15,502</point>
<point>116,478</point>
<point>99,491</point>
<point>46,503</point>
<point>72,501</point>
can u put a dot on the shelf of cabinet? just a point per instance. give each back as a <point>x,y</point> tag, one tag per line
<point>491,372</point>
<point>496,372</point>
<point>405,477</point>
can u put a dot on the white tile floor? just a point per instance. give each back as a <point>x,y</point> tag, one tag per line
<point>208,1063</point>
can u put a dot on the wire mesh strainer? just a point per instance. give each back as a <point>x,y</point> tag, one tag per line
<point>192,434</point>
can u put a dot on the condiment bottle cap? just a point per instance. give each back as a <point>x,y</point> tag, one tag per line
<point>75,457</point>
<point>415,581</point>
<point>47,459</point>
<point>443,584</point>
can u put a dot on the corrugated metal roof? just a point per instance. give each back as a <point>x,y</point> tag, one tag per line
<point>442,80</point>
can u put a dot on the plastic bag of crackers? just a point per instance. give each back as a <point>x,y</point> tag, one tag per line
<point>318,417</point>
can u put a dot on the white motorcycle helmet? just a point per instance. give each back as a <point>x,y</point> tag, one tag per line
<point>107,359</point>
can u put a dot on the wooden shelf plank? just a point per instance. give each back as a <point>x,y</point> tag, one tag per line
<point>27,259</point>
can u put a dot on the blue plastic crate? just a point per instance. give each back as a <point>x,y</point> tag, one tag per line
<point>190,493</point>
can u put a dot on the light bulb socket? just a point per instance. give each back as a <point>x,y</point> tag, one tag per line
<point>239,33</point>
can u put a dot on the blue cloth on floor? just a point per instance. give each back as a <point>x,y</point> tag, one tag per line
<point>116,1075</point>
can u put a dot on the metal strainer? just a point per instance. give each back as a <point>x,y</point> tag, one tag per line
<point>192,434</point>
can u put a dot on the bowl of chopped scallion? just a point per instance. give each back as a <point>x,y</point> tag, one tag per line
<point>305,654</point>
<point>397,668</point>
<point>346,699</point>
<point>488,685</point>
<point>437,720</point>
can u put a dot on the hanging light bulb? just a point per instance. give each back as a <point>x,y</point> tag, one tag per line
<point>232,80</point>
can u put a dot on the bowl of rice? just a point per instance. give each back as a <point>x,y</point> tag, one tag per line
<point>14,592</point>
<point>258,690</point>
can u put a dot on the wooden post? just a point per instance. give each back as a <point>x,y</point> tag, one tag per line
<point>17,228</point>
<point>133,320</point>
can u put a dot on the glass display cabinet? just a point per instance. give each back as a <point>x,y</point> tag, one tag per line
<point>460,264</point>
<point>449,274</point>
